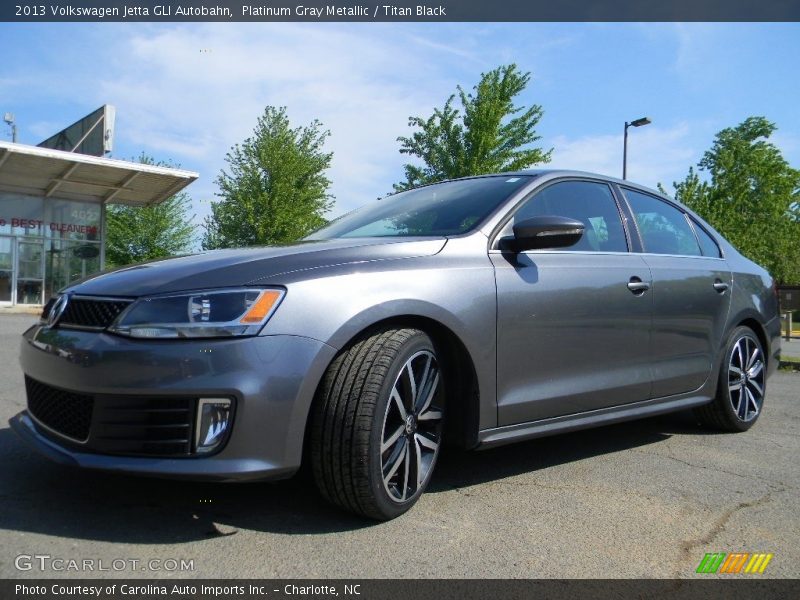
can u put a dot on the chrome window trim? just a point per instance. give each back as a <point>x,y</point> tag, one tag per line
<point>540,184</point>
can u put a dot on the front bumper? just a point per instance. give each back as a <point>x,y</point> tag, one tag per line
<point>272,379</point>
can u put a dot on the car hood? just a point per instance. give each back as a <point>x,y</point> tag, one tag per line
<point>248,266</point>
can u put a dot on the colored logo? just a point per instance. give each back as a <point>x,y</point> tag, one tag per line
<point>735,562</point>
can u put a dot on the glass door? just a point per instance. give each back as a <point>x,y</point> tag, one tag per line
<point>30,271</point>
<point>6,269</point>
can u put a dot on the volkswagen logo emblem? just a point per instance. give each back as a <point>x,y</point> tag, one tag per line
<point>57,310</point>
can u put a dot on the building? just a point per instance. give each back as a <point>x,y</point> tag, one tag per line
<point>52,214</point>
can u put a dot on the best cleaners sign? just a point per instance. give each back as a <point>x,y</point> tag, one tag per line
<point>53,226</point>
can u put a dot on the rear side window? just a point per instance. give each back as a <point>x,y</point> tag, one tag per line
<point>664,229</point>
<point>589,202</point>
<point>707,243</point>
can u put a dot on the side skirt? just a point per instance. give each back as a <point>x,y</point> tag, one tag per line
<point>498,436</point>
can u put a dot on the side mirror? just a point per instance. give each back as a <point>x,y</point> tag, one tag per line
<point>546,231</point>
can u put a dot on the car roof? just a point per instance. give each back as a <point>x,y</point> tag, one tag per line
<point>555,173</point>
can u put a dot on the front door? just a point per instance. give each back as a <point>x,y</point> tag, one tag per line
<point>7,246</point>
<point>30,271</point>
<point>572,335</point>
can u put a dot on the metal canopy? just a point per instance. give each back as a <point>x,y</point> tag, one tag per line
<point>44,172</point>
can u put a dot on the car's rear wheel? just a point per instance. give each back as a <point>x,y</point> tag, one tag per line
<point>377,423</point>
<point>742,384</point>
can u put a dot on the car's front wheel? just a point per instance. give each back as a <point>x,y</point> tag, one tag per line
<point>741,387</point>
<point>376,428</point>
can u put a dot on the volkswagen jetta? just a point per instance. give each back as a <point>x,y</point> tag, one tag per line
<point>475,312</point>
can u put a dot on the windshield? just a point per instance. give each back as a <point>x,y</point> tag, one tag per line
<point>448,208</point>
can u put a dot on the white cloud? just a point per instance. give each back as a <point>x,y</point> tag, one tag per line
<point>195,91</point>
<point>655,154</point>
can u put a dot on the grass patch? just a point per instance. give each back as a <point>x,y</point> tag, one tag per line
<point>789,363</point>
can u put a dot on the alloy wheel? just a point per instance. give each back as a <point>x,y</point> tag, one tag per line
<point>412,427</point>
<point>746,378</point>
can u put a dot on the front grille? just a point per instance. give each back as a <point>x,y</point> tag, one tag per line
<point>64,412</point>
<point>86,312</point>
<point>124,425</point>
<point>152,426</point>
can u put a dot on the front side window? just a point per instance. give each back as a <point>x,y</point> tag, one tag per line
<point>664,229</point>
<point>589,202</point>
<point>448,208</point>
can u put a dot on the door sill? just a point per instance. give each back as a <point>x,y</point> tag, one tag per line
<point>507,434</point>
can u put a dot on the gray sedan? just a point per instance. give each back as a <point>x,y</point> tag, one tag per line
<point>476,312</point>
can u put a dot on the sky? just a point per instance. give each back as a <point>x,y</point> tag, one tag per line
<point>188,92</point>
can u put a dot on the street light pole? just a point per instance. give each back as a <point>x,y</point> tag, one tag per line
<point>9,119</point>
<point>636,123</point>
<point>625,152</point>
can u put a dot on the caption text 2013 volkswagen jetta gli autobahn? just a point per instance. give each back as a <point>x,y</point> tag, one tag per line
<point>476,312</point>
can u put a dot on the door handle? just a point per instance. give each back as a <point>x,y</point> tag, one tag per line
<point>720,286</point>
<point>637,286</point>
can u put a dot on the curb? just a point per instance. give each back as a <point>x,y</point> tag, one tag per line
<point>21,311</point>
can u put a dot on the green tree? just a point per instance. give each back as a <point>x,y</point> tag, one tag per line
<point>276,190</point>
<point>751,196</point>
<point>491,135</point>
<point>135,234</point>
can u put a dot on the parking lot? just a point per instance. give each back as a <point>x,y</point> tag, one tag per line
<point>643,499</point>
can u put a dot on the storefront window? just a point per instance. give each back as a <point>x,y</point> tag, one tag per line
<point>70,220</point>
<point>66,261</point>
<point>22,215</point>
<point>30,270</point>
<point>45,244</point>
<point>6,267</point>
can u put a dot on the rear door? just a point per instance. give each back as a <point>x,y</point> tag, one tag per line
<point>572,335</point>
<point>691,293</point>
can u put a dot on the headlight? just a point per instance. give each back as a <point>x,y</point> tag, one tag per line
<point>215,313</point>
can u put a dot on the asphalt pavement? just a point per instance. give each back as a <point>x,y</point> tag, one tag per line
<point>643,499</point>
<point>790,348</point>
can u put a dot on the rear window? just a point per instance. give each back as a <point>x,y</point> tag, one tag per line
<point>707,243</point>
<point>664,228</point>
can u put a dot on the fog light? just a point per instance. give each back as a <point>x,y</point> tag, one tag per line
<point>213,419</point>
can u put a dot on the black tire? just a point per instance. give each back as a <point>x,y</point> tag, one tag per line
<point>359,410</point>
<point>740,391</point>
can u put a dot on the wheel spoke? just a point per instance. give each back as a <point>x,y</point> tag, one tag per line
<point>392,438</point>
<point>739,354</point>
<point>756,387</point>
<point>432,415</point>
<point>755,370</point>
<point>425,441</point>
<point>745,404</point>
<point>735,386</point>
<point>407,461</point>
<point>430,392</point>
<point>752,359</point>
<point>738,404</point>
<point>752,402</point>
<point>423,382</point>
<point>741,408</point>
<point>395,462</point>
<point>412,383</point>
<point>420,475</point>
<point>399,402</point>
